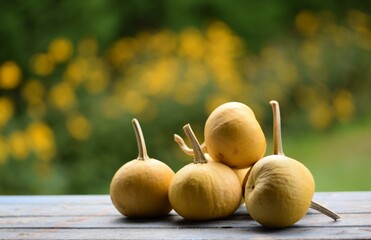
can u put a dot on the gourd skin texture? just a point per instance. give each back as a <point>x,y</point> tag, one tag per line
<point>205,191</point>
<point>279,191</point>
<point>139,189</point>
<point>233,136</point>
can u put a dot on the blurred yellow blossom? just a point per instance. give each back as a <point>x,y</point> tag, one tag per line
<point>42,64</point>
<point>33,92</point>
<point>159,78</point>
<point>10,75</point>
<point>310,53</point>
<point>62,96</point>
<point>320,115</point>
<point>133,102</point>
<point>6,111</point>
<point>41,140</point>
<point>78,127</point>
<point>307,23</point>
<point>358,20</point>
<point>192,44</point>
<point>123,50</point>
<point>18,145</point>
<point>97,80</point>
<point>76,71</point>
<point>344,105</point>
<point>60,49</point>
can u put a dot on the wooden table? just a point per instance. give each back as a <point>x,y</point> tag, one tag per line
<point>94,217</point>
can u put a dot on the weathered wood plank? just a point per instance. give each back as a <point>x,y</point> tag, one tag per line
<point>105,199</point>
<point>71,209</point>
<point>55,199</point>
<point>191,233</point>
<point>94,217</point>
<point>172,221</point>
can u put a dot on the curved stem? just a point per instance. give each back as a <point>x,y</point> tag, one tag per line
<point>318,207</point>
<point>142,155</point>
<point>277,138</point>
<point>199,155</point>
<point>179,140</point>
<point>183,146</point>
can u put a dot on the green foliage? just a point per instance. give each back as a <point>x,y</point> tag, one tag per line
<point>74,74</point>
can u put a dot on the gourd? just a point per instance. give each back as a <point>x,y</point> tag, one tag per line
<point>139,189</point>
<point>233,136</point>
<point>280,189</point>
<point>205,189</point>
<point>242,174</point>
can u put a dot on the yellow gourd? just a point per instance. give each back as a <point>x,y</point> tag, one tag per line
<point>280,189</point>
<point>204,189</point>
<point>139,189</point>
<point>233,136</point>
<point>242,174</point>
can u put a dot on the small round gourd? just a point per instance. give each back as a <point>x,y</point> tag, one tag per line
<point>204,189</point>
<point>139,189</point>
<point>242,173</point>
<point>233,136</point>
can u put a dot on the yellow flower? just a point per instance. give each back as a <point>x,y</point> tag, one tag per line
<point>159,78</point>
<point>79,127</point>
<point>60,49</point>
<point>133,101</point>
<point>122,51</point>
<point>320,115</point>
<point>42,64</point>
<point>62,96</point>
<point>344,105</point>
<point>18,145</point>
<point>306,23</point>
<point>310,52</point>
<point>358,20</point>
<point>76,71</point>
<point>41,139</point>
<point>33,92</point>
<point>97,81</point>
<point>10,75</point>
<point>6,111</point>
<point>192,44</point>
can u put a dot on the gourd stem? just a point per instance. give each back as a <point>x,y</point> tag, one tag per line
<point>187,150</point>
<point>199,155</point>
<point>277,137</point>
<point>318,207</point>
<point>142,150</point>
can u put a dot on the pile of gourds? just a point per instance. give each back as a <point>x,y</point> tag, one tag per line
<point>229,168</point>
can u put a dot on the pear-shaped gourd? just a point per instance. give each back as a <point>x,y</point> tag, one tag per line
<point>139,189</point>
<point>204,189</point>
<point>280,189</point>
<point>233,136</point>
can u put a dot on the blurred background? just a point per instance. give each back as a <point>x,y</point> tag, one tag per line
<point>74,73</point>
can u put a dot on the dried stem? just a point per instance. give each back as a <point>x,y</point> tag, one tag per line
<point>142,155</point>
<point>277,138</point>
<point>199,155</point>
<point>318,207</point>
<point>187,150</point>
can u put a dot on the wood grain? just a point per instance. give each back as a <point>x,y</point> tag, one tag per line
<point>94,217</point>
